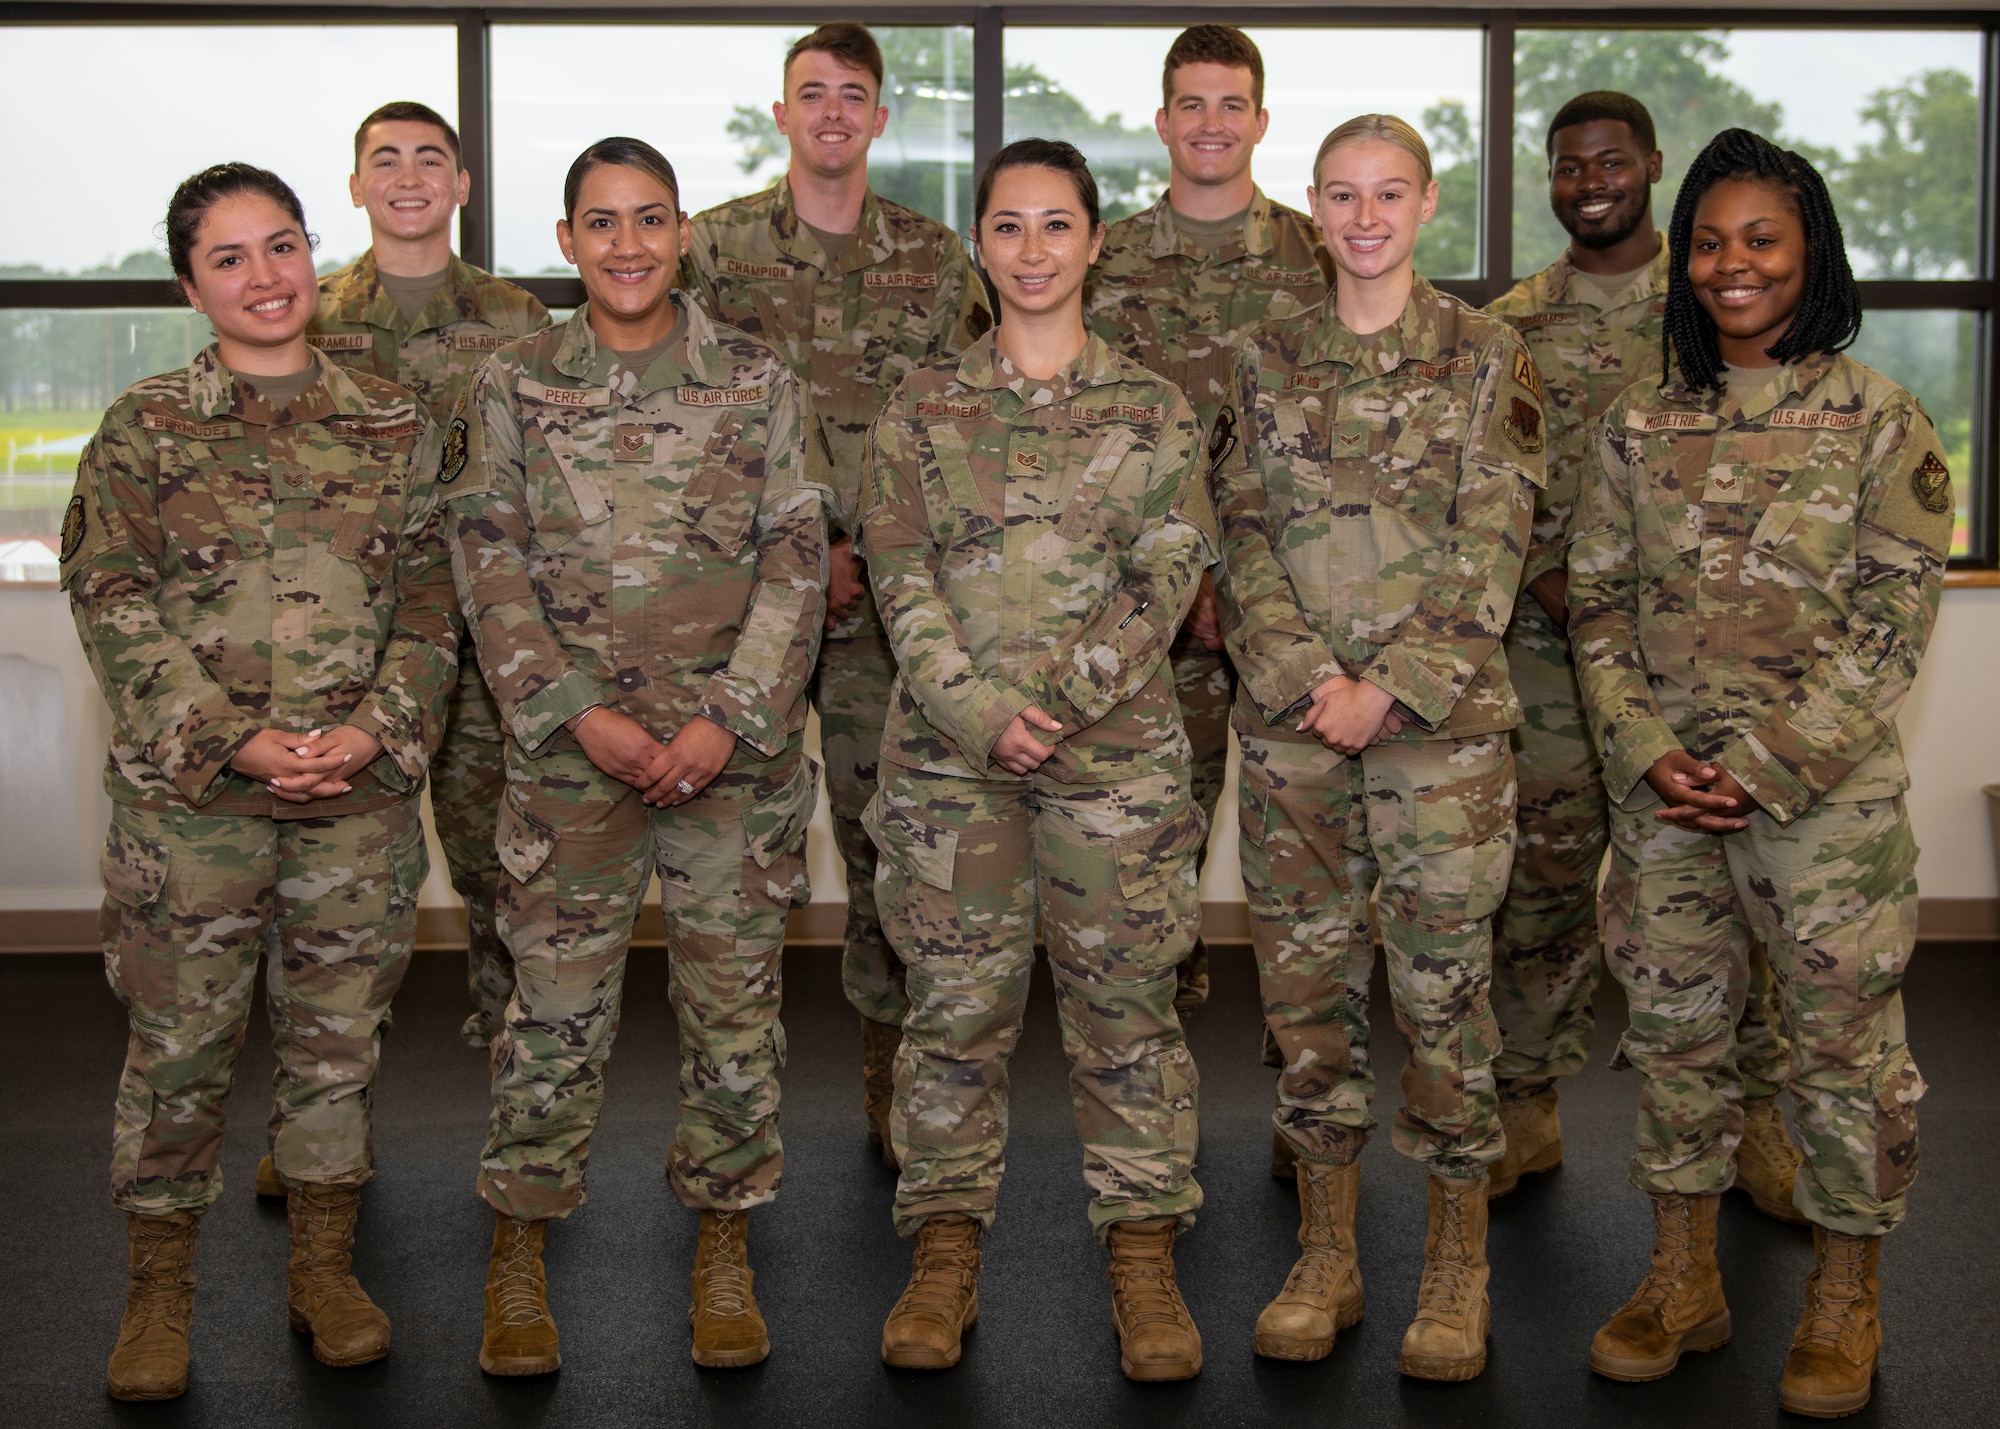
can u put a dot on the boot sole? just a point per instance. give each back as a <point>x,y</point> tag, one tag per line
<point>130,1394</point>
<point>1450,1371</point>
<point>919,1359</point>
<point>734,1359</point>
<point>301,1326</point>
<point>519,1365</point>
<point>1543,1161</point>
<point>1827,1406</point>
<point>1710,1335</point>
<point>1159,1374</point>
<point>1284,1347</point>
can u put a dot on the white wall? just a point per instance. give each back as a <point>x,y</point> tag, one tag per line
<point>48,856</point>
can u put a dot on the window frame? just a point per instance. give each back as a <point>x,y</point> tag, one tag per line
<point>1979,293</point>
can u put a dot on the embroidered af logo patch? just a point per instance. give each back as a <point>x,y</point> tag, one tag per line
<point>454,452</point>
<point>1524,425</point>
<point>1931,482</point>
<point>73,526</point>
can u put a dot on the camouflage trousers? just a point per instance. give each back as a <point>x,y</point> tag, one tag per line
<point>851,692</point>
<point>1833,898</point>
<point>1546,951</point>
<point>1433,820</point>
<point>468,781</point>
<point>969,869</point>
<point>578,849</point>
<point>192,901</point>
<point>1205,686</point>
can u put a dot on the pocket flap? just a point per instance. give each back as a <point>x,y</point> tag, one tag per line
<point>1842,889</point>
<point>134,869</point>
<point>1148,857</point>
<point>774,826</point>
<point>523,843</point>
<point>926,850</point>
<point>1465,811</point>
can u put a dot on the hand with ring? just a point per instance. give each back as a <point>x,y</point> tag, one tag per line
<point>686,764</point>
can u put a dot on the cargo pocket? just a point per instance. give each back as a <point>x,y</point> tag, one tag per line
<point>925,852</point>
<point>139,952</point>
<point>523,842</point>
<point>1897,1087</point>
<point>1853,919</point>
<point>1463,848</point>
<point>776,826</point>
<point>1150,856</point>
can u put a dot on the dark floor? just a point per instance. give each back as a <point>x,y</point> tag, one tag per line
<point>1566,1249</point>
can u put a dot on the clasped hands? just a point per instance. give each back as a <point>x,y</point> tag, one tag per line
<point>1700,796</point>
<point>302,768</point>
<point>1349,715</point>
<point>623,748</point>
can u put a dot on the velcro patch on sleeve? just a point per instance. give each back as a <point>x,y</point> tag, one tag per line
<point>1526,375</point>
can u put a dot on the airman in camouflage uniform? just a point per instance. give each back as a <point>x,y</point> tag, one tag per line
<point>436,355</point>
<point>1181,309</point>
<point>1753,580</point>
<point>643,541</point>
<point>900,293</point>
<point>1036,543</point>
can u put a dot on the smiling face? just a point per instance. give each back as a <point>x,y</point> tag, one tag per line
<point>1211,125</point>
<point>408,180</point>
<point>1747,264</point>
<point>1036,241</point>
<point>253,279</point>
<point>1370,203</point>
<point>830,113</point>
<point>1600,184</point>
<point>626,239</point>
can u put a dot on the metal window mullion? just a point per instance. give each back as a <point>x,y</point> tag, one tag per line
<point>1496,187</point>
<point>989,85</point>
<point>475,133</point>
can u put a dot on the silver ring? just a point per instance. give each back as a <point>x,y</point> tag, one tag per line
<point>685,787</point>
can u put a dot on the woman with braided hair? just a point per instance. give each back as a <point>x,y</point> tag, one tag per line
<point>1760,550</point>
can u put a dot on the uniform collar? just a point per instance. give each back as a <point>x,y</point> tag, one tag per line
<point>1412,337</point>
<point>1560,288</point>
<point>867,246</point>
<point>697,359</point>
<point>359,298</point>
<point>215,391</point>
<point>1787,380</point>
<point>984,369</point>
<point>1258,238</point>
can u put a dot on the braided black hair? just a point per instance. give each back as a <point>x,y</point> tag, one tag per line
<point>1829,315</point>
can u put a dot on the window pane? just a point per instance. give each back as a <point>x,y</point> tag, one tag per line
<point>108,90</point>
<point>58,372</point>
<point>711,118</point>
<point>1100,89</point>
<point>1932,354</point>
<point>1891,117</point>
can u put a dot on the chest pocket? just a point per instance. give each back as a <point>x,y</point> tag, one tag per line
<point>1423,429</point>
<point>897,335</point>
<point>1809,525</point>
<point>1084,514</point>
<point>1295,472</point>
<point>564,500</point>
<point>368,529</point>
<point>720,501</point>
<point>200,538</point>
<point>959,515</point>
<point>1663,518</point>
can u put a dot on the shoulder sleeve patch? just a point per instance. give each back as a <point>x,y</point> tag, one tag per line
<point>74,524</point>
<point>1525,373</point>
<point>1221,438</point>
<point>454,452</point>
<point>1930,481</point>
<point>1524,424</point>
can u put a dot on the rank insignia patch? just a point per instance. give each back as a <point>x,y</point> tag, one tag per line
<point>1931,481</point>
<point>454,452</point>
<point>1524,425</point>
<point>74,523</point>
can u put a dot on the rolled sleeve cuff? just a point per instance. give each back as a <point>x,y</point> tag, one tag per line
<point>1633,753</point>
<point>982,717</point>
<point>1778,792</point>
<point>540,718</point>
<point>1541,560</point>
<point>196,755</point>
<point>1416,686</point>
<point>405,755</point>
<point>749,718</point>
<point>1284,689</point>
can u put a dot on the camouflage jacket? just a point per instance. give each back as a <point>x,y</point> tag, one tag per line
<point>1586,355</point>
<point>234,568</point>
<point>1182,311</point>
<point>1755,581</point>
<point>1036,543</point>
<point>360,327</point>
<point>900,294</point>
<point>1375,512</point>
<point>641,540</point>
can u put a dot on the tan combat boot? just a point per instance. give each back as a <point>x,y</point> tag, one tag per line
<point>151,1357</point>
<point>270,1186</point>
<point>324,1299</point>
<point>519,1336</point>
<point>1832,1361</point>
<point>941,1302</point>
<point>1156,1336</point>
<point>1534,1140</point>
<point>728,1329</point>
<point>1447,1339</point>
<point>1678,1306</point>
<point>879,1042</point>
<point>1322,1295</point>
<point>1766,1162</point>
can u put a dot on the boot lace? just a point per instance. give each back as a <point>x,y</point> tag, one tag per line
<point>1447,1282</point>
<point>1319,1267</point>
<point>1833,1290</point>
<point>515,1276</point>
<point>160,1281</point>
<point>323,1239</point>
<point>1144,1282</point>
<point>942,1271</point>
<point>724,1288</point>
<point>1673,1253</point>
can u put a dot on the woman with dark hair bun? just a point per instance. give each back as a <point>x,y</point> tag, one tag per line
<point>1035,531</point>
<point>254,562</point>
<point>643,563</point>
<point>1757,566</point>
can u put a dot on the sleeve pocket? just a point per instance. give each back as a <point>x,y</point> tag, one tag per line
<point>1150,856</point>
<point>767,634</point>
<point>927,852</point>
